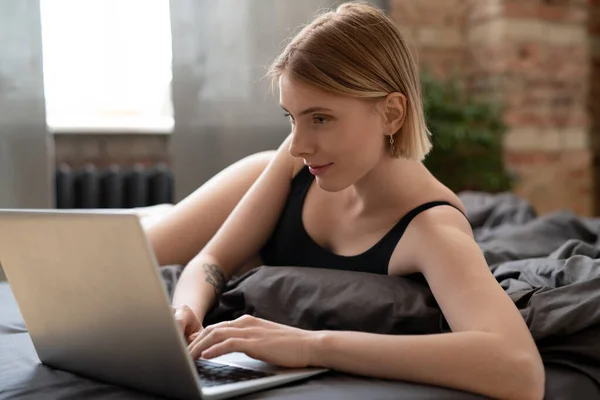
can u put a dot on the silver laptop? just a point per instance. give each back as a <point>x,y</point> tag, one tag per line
<point>90,293</point>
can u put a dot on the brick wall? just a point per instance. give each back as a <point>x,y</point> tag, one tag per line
<point>436,29</point>
<point>534,56</point>
<point>594,93</point>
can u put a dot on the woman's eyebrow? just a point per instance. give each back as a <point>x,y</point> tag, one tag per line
<point>309,110</point>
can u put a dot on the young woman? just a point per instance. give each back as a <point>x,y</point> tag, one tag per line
<point>347,189</point>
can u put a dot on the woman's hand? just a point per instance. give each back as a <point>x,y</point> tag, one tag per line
<point>189,323</point>
<point>260,339</point>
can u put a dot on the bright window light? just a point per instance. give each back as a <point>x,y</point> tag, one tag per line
<point>107,65</point>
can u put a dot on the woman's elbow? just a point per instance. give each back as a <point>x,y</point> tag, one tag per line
<point>532,377</point>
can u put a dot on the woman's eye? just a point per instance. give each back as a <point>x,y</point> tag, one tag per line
<point>288,115</point>
<point>319,120</point>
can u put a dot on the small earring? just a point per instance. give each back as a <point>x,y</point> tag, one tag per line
<point>392,147</point>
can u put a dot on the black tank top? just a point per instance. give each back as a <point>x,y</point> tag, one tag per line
<point>290,244</point>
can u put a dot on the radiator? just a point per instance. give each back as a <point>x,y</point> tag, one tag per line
<point>114,186</point>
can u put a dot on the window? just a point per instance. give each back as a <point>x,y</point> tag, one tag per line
<point>107,65</point>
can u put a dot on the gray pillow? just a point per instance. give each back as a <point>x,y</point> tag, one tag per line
<point>317,299</point>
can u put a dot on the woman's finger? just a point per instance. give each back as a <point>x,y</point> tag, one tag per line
<point>242,322</point>
<point>180,317</point>
<point>187,320</point>
<point>246,320</point>
<point>228,346</point>
<point>193,336</point>
<point>215,336</point>
<point>211,328</point>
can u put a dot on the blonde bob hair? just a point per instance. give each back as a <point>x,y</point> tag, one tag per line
<point>357,51</point>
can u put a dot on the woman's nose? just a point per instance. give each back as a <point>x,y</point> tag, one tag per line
<point>300,146</point>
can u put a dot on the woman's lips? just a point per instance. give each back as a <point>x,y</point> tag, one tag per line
<point>319,169</point>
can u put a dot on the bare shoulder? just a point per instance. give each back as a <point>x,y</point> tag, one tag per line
<point>436,230</point>
<point>441,217</point>
<point>453,215</point>
<point>426,229</point>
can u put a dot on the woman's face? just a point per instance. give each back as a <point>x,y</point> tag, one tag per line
<point>341,138</point>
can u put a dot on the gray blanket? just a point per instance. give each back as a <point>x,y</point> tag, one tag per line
<point>550,267</point>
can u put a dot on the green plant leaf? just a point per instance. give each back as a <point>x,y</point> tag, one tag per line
<point>466,136</point>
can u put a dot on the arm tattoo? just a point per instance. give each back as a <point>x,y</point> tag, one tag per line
<point>215,276</point>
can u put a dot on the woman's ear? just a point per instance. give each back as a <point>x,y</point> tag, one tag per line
<point>395,111</point>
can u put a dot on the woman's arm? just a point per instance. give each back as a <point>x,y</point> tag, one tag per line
<point>490,350</point>
<point>479,362</point>
<point>240,237</point>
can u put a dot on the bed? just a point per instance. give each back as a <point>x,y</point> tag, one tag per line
<point>549,265</point>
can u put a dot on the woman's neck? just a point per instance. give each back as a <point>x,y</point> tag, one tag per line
<point>392,181</point>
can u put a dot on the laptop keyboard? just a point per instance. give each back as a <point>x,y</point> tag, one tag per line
<point>213,374</point>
